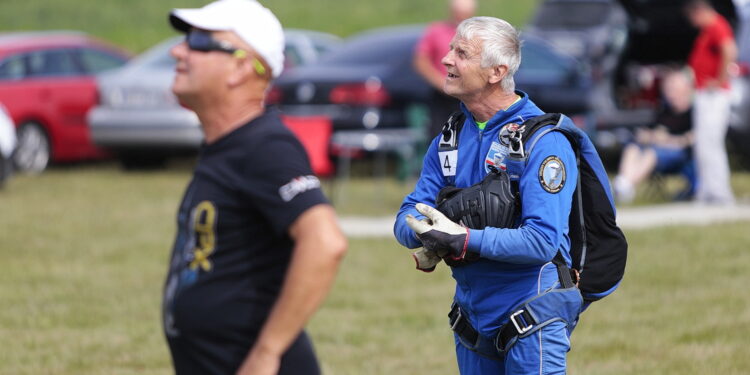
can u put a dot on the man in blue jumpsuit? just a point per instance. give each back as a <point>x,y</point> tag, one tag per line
<point>514,264</point>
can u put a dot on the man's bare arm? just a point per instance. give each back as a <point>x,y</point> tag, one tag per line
<point>728,56</point>
<point>318,250</point>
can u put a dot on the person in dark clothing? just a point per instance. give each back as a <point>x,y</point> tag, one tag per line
<point>665,145</point>
<point>258,244</point>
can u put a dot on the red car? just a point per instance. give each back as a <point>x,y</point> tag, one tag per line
<point>47,84</point>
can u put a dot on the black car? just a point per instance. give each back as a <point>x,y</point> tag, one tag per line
<point>625,44</point>
<point>368,83</point>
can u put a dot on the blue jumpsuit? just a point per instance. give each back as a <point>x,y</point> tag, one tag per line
<point>515,263</point>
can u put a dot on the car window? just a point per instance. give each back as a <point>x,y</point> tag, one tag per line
<point>52,63</point>
<point>571,15</point>
<point>292,57</point>
<point>373,49</point>
<point>158,57</point>
<point>536,57</point>
<point>164,60</point>
<point>12,67</point>
<point>95,61</point>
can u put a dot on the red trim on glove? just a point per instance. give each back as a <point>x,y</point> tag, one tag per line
<point>465,248</point>
<point>426,270</point>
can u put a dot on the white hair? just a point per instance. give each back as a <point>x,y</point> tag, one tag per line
<point>500,44</point>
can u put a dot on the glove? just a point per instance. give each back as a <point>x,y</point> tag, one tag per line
<point>438,234</point>
<point>426,260</point>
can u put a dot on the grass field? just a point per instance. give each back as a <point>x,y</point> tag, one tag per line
<point>84,252</point>
<point>138,24</point>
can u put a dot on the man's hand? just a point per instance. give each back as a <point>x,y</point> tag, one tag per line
<point>443,236</point>
<point>260,363</point>
<point>426,260</point>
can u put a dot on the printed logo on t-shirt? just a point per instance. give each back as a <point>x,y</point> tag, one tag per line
<point>196,242</point>
<point>298,185</point>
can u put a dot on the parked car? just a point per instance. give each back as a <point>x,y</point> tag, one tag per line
<point>369,82</point>
<point>139,119</point>
<point>625,44</point>
<point>47,84</point>
<point>7,144</point>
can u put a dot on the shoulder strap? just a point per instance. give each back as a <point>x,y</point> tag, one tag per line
<point>451,129</point>
<point>448,146</point>
<point>577,221</point>
<point>519,141</point>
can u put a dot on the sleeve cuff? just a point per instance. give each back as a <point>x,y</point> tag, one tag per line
<point>475,240</point>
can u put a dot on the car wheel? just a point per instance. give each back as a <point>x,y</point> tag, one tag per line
<point>33,148</point>
<point>5,170</point>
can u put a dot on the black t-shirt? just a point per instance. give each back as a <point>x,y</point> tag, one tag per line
<point>676,123</point>
<point>232,247</point>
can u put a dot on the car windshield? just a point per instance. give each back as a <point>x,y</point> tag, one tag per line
<point>373,49</point>
<point>571,15</point>
<point>158,56</point>
<point>539,57</point>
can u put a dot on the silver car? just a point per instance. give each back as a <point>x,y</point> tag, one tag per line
<point>139,119</point>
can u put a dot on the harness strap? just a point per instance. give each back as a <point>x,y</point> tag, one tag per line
<point>469,337</point>
<point>562,304</point>
<point>451,129</point>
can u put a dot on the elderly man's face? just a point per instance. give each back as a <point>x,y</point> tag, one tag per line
<point>466,77</point>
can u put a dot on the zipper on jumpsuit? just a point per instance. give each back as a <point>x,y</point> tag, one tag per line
<point>468,292</point>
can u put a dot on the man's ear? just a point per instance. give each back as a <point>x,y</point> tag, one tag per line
<point>241,71</point>
<point>498,73</point>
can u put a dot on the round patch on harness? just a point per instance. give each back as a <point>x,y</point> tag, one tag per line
<point>552,174</point>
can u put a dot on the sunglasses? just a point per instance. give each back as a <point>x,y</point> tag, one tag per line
<point>199,40</point>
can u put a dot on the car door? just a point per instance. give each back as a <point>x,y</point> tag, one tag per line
<point>61,90</point>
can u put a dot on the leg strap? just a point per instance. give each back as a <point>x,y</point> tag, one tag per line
<point>551,306</point>
<point>468,336</point>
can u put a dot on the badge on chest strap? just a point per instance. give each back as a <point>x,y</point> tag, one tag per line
<point>496,157</point>
<point>552,174</point>
<point>499,150</point>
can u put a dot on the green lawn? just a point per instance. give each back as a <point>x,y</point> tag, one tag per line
<point>84,253</point>
<point>138,24</point>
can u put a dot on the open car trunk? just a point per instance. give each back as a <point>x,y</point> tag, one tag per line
<point>626,44</point>
<point>659,35</point>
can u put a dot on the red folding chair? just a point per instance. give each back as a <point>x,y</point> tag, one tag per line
<point>314,132</point>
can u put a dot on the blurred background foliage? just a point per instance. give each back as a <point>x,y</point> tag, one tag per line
<point>139,24</point>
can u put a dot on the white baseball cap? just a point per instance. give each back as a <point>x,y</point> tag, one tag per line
<point>250,20</point>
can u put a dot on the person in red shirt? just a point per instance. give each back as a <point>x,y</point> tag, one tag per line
<point>428,54</point>
<point>714,50</point>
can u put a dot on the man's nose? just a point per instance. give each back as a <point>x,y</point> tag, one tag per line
<point>178,51</point>
<point>447,59</point>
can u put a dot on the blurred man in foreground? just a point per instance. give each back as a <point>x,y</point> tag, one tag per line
<point>258,245</point>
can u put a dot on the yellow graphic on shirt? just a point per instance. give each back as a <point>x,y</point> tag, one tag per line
<point>204,219</point>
